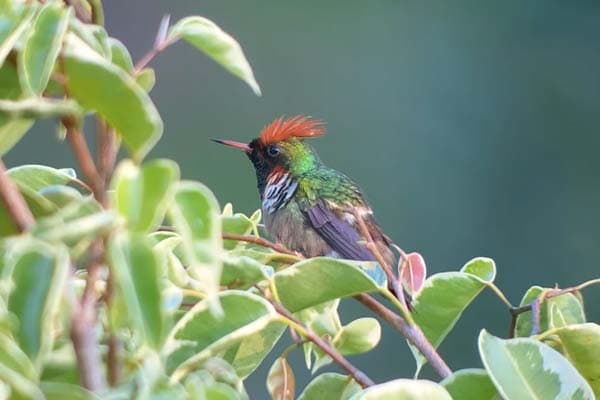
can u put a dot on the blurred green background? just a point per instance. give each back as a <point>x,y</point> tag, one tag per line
<point>472,126</point>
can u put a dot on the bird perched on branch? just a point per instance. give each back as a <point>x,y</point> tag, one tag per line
<point>307,206</point>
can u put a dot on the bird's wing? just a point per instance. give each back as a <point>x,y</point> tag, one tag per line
<point>341,235</point>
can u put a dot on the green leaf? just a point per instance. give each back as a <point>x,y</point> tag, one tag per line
<point>61,391</point>
<point>99,85</point>
<point>41,47</point>
<point>146,78</point>
<point>12,25</point>
<point>555,312</point>
<point>20,387</point>
<point>525,369</point>
<point>317,280</point>
<point>94,36</point>
<point>247,355</point>
<point>195,215</point>
<point>445,296</point>
<point>280,380</point>
<point>38,177</point>
<point>39,272</point>
<point>200,334</point>
<point>241,272</point>
<point>141,195</point>
<point>337,387</point>
<point>13,357</point>
<point>11,129</point>
<point>137,272</point>
<point>217,44</point>
<point>581,345</point>
<point>471,384</point>
<point>239,224</point>
<point>359,336</point>
<point>120,55</point>
<point>404,389</point>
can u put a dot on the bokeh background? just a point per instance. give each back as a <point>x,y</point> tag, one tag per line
<point>471,125</point>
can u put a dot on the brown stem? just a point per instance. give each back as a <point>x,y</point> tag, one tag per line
<point>394,282</point>
<point>15,204</point>
<point>411,332</point>
<point>160,43</point>
<point>80,12</point>
<point>83,333</point>
<point>84,158</point>
<point>360,377</point>
<point>107,150</point>
<point>261,242</point>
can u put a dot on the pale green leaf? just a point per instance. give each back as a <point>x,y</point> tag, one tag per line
<point>120,55</point>
<point>196,216</point>
<point>38,177</point>
<point>555,312</point>
<point>200,334</point>
<point>39,273</point>
<point>13,24</point>
<point>137,272</point>
<point>61,391</point>
<point>141,195</point>
<point>526,369</point>
<point>471,384</point>
<point>41,47</point>
<point>337,387</point>
<point>11,129</point>
<point>146,78</point>
<point>581,345</point>
<point>359,336</point>
<point>317,280</point>
<point>11,356</point>
<point>404,389</point>
<point>242,272</point>
<point>280,380</point>
<point>445,296</point>
<point>217,44</point>
<point>99,85</point>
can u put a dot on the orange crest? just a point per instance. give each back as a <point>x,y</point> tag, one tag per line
<point>299,126</point>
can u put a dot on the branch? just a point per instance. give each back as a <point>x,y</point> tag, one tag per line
<point>360,377</point>
<point>411,332</point>
<point>13,201</point>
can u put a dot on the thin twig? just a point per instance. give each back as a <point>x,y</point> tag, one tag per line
<point>411,332</point>
<point>107,150</point>
<point>261,242</point>
<point>160,43</point>
<point>84,158</point>
<point>394,282</point>
<point>360,377</point>
<point>13,201</point>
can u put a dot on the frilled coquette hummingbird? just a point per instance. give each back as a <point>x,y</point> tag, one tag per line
<point>307,206</point>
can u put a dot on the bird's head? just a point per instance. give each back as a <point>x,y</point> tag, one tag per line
<point>281,146</point>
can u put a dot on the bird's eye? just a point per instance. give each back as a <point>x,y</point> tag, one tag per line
<point>273,151</point>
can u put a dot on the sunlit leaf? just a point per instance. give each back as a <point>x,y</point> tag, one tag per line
<point>445,296</point>
<point>217,44</point>
<point>41,47</point>
<point>317,280</point>
<point>39,272</point>
<point>337,387</point>
<point>471,384</point>
<point>99,85</point>
<point>526,369</point>
<point>137,272</point>
<point>404,389</point>
<point>141,195</point>
<point>280,380</point>
<point>38,177</point>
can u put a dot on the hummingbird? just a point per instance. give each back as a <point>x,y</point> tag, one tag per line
<point>307,206</point>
